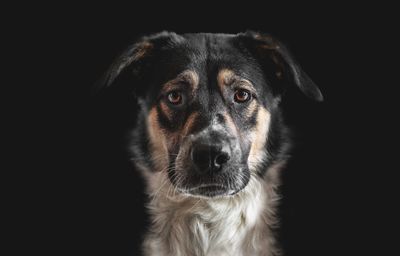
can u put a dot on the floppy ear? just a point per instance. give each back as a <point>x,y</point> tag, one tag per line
<point>135,54</point>
<point>267,46</point>
<point>134,61</point>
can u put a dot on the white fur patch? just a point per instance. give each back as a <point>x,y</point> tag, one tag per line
<point>234,225</point>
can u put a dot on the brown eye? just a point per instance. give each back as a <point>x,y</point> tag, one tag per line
<point>242,96</point>
<point>175,98</point>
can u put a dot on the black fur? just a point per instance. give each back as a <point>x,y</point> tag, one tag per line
<point>259,58</point>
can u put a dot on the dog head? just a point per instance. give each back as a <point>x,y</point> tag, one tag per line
<point>210,115</point>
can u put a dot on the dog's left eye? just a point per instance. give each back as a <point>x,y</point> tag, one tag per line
<point>175,98</point>
<point>242,96</point>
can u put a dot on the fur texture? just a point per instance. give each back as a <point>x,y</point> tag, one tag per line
<point>237,225</point>
<point>210,138</point>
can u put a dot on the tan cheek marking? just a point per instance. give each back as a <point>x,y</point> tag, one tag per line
<point>166,110</point>
<point>189,123</point>
<point>230,124</point>
<point>259,137</point>
<point>158,143</point>
<point>251,108</point>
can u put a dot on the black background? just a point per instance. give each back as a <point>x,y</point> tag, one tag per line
<point>91,198</point>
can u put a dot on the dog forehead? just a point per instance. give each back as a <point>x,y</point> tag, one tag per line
<point>208,54</point>
<point>212,51</point>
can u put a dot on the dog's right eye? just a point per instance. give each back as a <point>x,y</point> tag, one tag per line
<point>175,98</point>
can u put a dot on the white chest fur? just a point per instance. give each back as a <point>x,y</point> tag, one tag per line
<point>237,225</point>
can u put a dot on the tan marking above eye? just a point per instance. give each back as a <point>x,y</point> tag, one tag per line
<point>227,77</point>
<point>189,77</point>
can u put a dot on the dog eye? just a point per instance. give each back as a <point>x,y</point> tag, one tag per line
<point>242,96</point>
<point>175,97</point>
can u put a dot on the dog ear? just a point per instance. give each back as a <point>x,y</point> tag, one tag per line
<point>135,60</point>
<point>264,45</point>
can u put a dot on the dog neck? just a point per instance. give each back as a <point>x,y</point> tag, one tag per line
<point>235,225</point>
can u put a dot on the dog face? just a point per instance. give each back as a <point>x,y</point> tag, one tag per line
<point>205,128</point>
<point>210,115</point>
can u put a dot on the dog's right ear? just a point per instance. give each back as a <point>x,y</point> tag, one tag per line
<point>136,58</point>
<point>265,47</point>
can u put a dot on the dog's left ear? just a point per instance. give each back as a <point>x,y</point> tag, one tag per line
<point>135,62</point>
<point>266,46</point>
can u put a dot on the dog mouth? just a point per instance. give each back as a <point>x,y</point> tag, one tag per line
<point>209,190</point>
<point>208,185</point>
<point>207,182</point>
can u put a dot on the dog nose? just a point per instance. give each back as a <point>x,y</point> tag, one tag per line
<point>210,157</point>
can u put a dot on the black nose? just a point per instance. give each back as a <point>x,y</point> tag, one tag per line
<point>210,157</point>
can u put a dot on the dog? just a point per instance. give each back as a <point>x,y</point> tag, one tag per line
<point>210,138</point>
